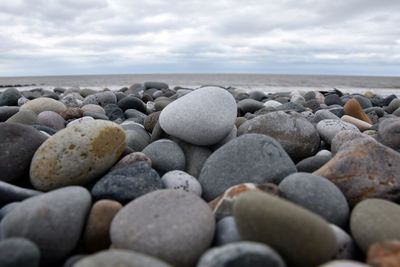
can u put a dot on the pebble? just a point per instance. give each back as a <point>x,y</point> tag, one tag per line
<point>226,231</point>
<point>132,102</point>
<point>174,226</point>
<point>272,104</point>
<point>132,158</point>
<point>127,183</point>
<point>135,115</point>
<point>44,104</point>
<point>345,136</point>
<point>93,108</point>
<point>53,221</point>
<point>24,117</point>
<point>19,252</point>
<point>354,109</point>
<point>6,112</point>
<point>202,117</point>
<point>333,99</point>
<point>79,121</point>
<point>18,144</point>
<point>388,133</point>
<point>324,114</point>
<point>249,105</point>
<point>312,163</point>
<point>137,138</point>
<point>195,157</point>
<point>384,254</point>
<point>151,121</point>
<point>361,125</point>
<point>316,194</point>
<point>155,85</point>
<point>51,119</point>
<point>114,113</point>
<point>364,168</point>
<point>72,113</point>
<point>180,180</point>
<point>10,97</point>
<point>241,254</point>
<point>327,129</point>
<point>76,155</point>
<point>344,263</point>
<point>73,100</point>
<point>346,248</point>
<point>10,193</point>
<point>394,104</point>
<point>102,99</point>
<point>302,238</point>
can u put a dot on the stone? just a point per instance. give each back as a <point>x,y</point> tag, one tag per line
<point>77,154</point>
<point>22,100</point>
<point>333,99</point>
<point>343,137</point>
<point>79,121</point>
<point>93,108</point>
<point>354,109</point>
<point>394,104</point>
<point>95,115</point>
<point>302,238</point>
<point>195,157</point>
<point>6,112</point>
<point>257,95</point>
<point>165,156</point>
<point>132,102</point>
<point>202,117</point>
<point>114,113</point>
<point>189,221</point>
<point>249,105</point>
<point>51,119</point>
<point>241,254</point>
<point>70,262</point>
<point>155,85</point>
<point>11,193</point>
<point>19,252</point>
<point>346,248</point>
<point>344,263</point>
<point>361,125</point>
<point>120,257</point>
<point>135,115</point>
<point>272,104</point>
<point>10,97</point>
<point>127,183</point>
<point>96,235</point>
<point>161,102</point>
<point>53,221</point>
<point>312,104</point>
<point>316,194</point>
<point>384,254</point>
<point>73,100</point>
<point>389,133</point>
<point>297,135</point>
<point>324,114</point>
<point>18,144</point>
<point>290,106</point>
<point>151,121</point>
<point>250,158</point>
<point>226,231</point>
<point>364,168</point>
<point>44,104</point>
<point>364,101</point>
<point>312,163</point>
<point>132,158</point>
<point>231,135</point>
<point>327,129</point>
<point>386,101</point>
<point>24,117</point>
<point>374,220</point>
<point>180,180</point>
<point>102,99</point>
<point>72,113</point>
<point>338,111</point>
<point>7,208</point>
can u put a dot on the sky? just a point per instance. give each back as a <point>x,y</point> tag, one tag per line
<point>50,37</point>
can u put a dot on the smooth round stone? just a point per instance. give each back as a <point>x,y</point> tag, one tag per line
<point>327,129</point>
<point>374,220</point>
<point>132,102</point>
<point>272,104</point>
<point>155,85</point>
<point>195,157</point>
<point>96,234</point>
<point>77,154</point>
<point>132,158</point>
<point>72,113</point>
<point>324,114</point>
<point>333,99</point>
<point>174,226</point>
<point>19,252</point>
<point>226,231</point>
<point>18,144</point>
<point>24,117</point>
<point>257,95</point>
<point>344,136</point>
<point>313,163</point>
<point>10,97</point>
<point>386,101</point>
<point>338,111</point>
<point>180,180</point>
<point>101,99</point>
<point>165,156</point>
<point>364,102</point>
<point>51,119</point>
<point>87,91</point>
<point>127,183</point>
<point>250,158</point>
<point>137,138</point>
<point>346,248</point>
<point>232,135</point>
<point>249,105</point>
<point>120,257</point>
<point>22,100</point>
<point>114,113</point>
<point>313,104</point>
<point>7,208</point>
<point>354,109</point>
<point>316,194</point>
<point>79,121</point>
<point>93,108</point>
<point>388,133</point>
<point>11,193</point>
<point>302,238</point>
<point>361,125</point>
<point>44,104</point>
<point>344,263</point>
<point>135,115</point>
<point>53,221</point>
<point>161,102</point>
<point>296,134</point>
<point>6,112</point>
<point>241,254</point>
<point>202,117</point>
<point>72,100</point>
<point>95,115</point>
<point>290,106</point>
<point>394,104</point>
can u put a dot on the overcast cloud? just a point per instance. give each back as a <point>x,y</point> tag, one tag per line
<point>43,37</point>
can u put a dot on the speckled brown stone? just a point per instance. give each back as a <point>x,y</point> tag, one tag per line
<point>354,109</point>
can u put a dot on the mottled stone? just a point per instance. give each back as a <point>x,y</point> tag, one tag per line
<point>327,129</point>
<point>101,99</point>
<point>384,254</point>
<point>343,137</point>
<point>72,113</point>
<point>389,133</point>
<point>180,180</point>
<point>132,158</point>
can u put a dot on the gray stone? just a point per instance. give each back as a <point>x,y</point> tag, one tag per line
<point>202,117</point>
<point>132,102</point>
<point>51,119</point>
<point>6,112</point>
<point>241,254</point>
<point>95,115</point>
<point>53,221</point>
<point>7,208</point>
<point>257,95</point>
<point>137,138</point>
<point>316,194</point>
<point>249,105</point>
<point>344,263</point>
<point>19,252</point>
<point>24,117</point>
<point>135,115</point>
<point>327,129</point>
<point>10,97</point>
<point>333,99</point>
<point>72,100</point>
<point>172,225</point>
<point>113,112</point>
<point>389,133</point>
<point>346,248</point>
<point>312,163</point>
<point>290,106</point>
<point>324,114</point>
<point>180,180</point>
<point>345,136</point>
<point>226,231</point>
<point>127,183</point>
<point>44,104</point>
<point>251,158</point>
<point>93,108</point>
<point>195,157</point>
<point>165,156</point>
<point>101,99</point>
<point>394,104</point>
<point>364,102</point>
<point>155,85</point>
<point>296,134</point>
<point>10,193</point>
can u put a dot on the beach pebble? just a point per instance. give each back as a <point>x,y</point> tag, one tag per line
<point>364,168</point>
<point>180,180</point>
<point>195,157</point>
<point>226,231</point>
<point>389,133</point>
<point>241,254</point>
<point>18,144</point>
<point>120,257</point>
<point>72,113</point>
<point>44,104</point>
<point>132,158</point>
<point>257,95</point>
<point>327,129</point>
<point>324,114</point>
<point>384,254</point>
<point>272,104</point>
<point>73,100</point>
<point>127,183</point>
<point>6,112</point>
<point>302,238</point>
<point>19,252</point>
<point>155,85</point>
<point>96,235</point>
<point>249,105</point>
<point>79,121</point>
<point>135,115</point>
<point>151,120</point>
<point>296,134</point>
<point>250,158</point>
<point>51,119</point>
<point>361,125</point>
<point>137,138</point>
<point>354,109</point>
<point>77,154</point>
<point>114,113</point>
<point>364,101</point>
<point>174,226</point>
<point>394,104</point>
<point>374,220</point>
<point>316,194</point>
<point>9,97</point>
<point>312,163</point>
<point>202,117</point>
<point>333,99</point>
<point>53,221</point>
<point>93,108</point>
<point>101,99</point>
<point>386,101</point>
<point>165,156</point>
<point>132,102</point>
<point>344,263</point>
<point>346,248</point>
<point>11,193</point>
<point>23,117</point>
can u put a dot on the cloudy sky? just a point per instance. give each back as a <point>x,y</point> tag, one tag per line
<point>49,37</point>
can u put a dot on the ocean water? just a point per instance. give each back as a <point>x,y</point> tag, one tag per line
<point>248,82</point>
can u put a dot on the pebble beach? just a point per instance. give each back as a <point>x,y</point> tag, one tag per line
<point>158,176</point>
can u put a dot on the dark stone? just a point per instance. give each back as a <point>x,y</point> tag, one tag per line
<point>388,99</point>
<point>6,112</point>
<point>313,104</point>
<point>290,106</point>
<point>132,102</point>
<point>44,128</point>
<point>364,102</point>
<point>249,105</point>
<point>333,99</point>
<point>19,252</point>
<point>156,85</point>
<point>135,115</point>
<point>313,163</point>
<point>258,95</point>
<point>10,97</point>
<point>151,120</point>
<point>12,193</point>
<point>113,112</point>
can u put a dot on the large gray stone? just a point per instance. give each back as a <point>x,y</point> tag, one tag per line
<point>202,117</point>
<point>327,129</point>
<point>11,193</point>
<point>250,158</point>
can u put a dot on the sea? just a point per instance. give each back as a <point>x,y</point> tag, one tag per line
<point>249,82</point>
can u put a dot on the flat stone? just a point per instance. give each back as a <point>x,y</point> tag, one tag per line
<point>312,163</point>
<point>180,180</point>
<point>250,158</point>
<point>327,129</point>
<point>202,117</point>
<point>44,104</point>
<point>77,154</point>
<point>172,225</point>
<point>19,252</point>
<point>302,238</point>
